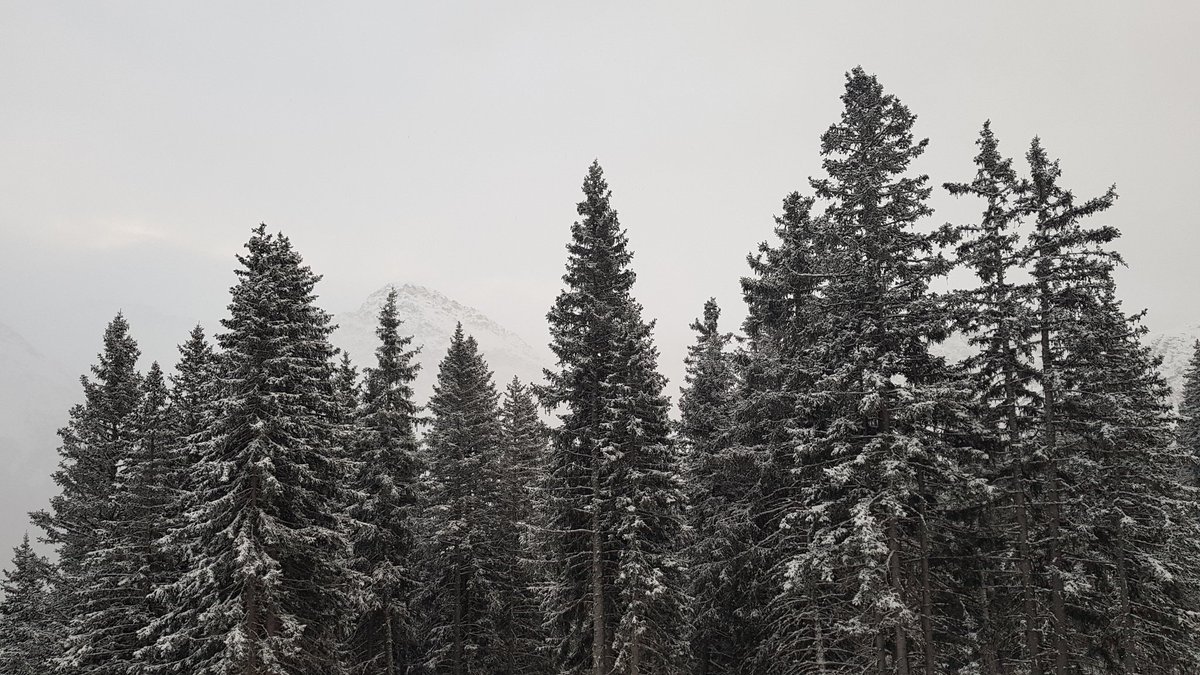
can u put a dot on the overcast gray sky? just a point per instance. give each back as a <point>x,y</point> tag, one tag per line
<point>444,143</point>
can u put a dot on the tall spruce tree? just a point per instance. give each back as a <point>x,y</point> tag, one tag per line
<point>885,400</point>
<point>265,592</point>
<point>1005,612</point>
<point>1070,264</point>
<point>611,604</point>
<point>115,607</point>
<point>30,622</point>
<point>386,451</point>
<point>464,553</point>
<point>190,411</point>
<point>717,483</point>
<point>524,439</point>
<point>96,441</point>
<point>1188,431</point>
<point>785,618</point>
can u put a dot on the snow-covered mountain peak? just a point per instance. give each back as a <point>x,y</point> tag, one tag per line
<point>430,317</point>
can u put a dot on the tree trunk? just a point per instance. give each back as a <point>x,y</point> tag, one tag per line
<point>926,590</point>
<point>388,643</point>
<point>1124,642</point>
<point>599,630</point>
<point>1054,512</point>
<point>459,647</point>
<point>901,646</point>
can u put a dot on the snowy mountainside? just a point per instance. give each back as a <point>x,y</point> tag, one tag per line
<point>430,317</point>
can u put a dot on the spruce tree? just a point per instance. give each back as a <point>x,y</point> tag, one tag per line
<point>1134,578</point>
<point>1188,431</point>
<point>885,401</point>
<point>785,620</point>
<point>115,606</point>
<point>607,542</point>
<point>464,553</point>
<point>718,511</point>
<point>1004,607</point>
<point>97,440</point>
<point>30,623</point>
<point>1070,264</point>
<point>265,592</point>
<point>524,439</point>
<point>386,454</point>
<point>190,412</point>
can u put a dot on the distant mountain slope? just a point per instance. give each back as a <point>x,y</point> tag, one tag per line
<point>35,394</point>
<point>430,317</point>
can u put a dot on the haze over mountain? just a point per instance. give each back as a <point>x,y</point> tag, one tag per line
<point>430,317</point>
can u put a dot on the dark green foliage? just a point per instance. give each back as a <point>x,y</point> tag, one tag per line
<point>30,619</point>
<point>464,556</point>
<point>383,510</point>
<point>265,592</point>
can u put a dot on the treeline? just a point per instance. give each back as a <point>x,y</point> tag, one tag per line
<point>835,498</point>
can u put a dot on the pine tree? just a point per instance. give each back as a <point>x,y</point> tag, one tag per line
<point>884,401</point>
<point>386,452</point>
<point>116,605</point>
<point>785,619</point>
<point>524,439</point>
<point>96,441</point>
<point>1188,432</point>
<point>191,409</point>
<point>1070,263</point>
<point>998,319</point>
<point>1134,578</point>
<point>718,481</point>
<point>607,542</point>
<point>462,500</point>
<point>30,625</point>
<point>265,592</point>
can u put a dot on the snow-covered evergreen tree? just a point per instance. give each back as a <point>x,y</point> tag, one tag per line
<point>96,441</point>
<point>1188,432</point>
<point>464,548</point>
<point>883,402</point>
<point>719,513</point>
<point>609,543</point>
<point>1002,606</point>
<point>265,592</point>
<point>386,454</point>
<point>188,421</point>
<point>115,606</point>
<point>30,620</point>
<point>524,439</point>
<point>1133,576</point>
<point>1070,264</point>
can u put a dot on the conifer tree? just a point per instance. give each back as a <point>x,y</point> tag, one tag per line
<point>1070,263</point>
<point>719,513</point>
<point>265,592</point>
<point>190,412</point>
<point>386,453</point>
<point>115,606</point>
<point>524,439</point>
<point>607,541</point>
<point>463,552</point>
<point>96,441</point>
<point>885,401</point>
<point>785,624</point>
<point>30,624</point>
<point>998,319</point>
<point>1188,431</point>
<point>1134,578</point>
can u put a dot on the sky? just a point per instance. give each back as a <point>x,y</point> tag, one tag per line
<point>445,143</point>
